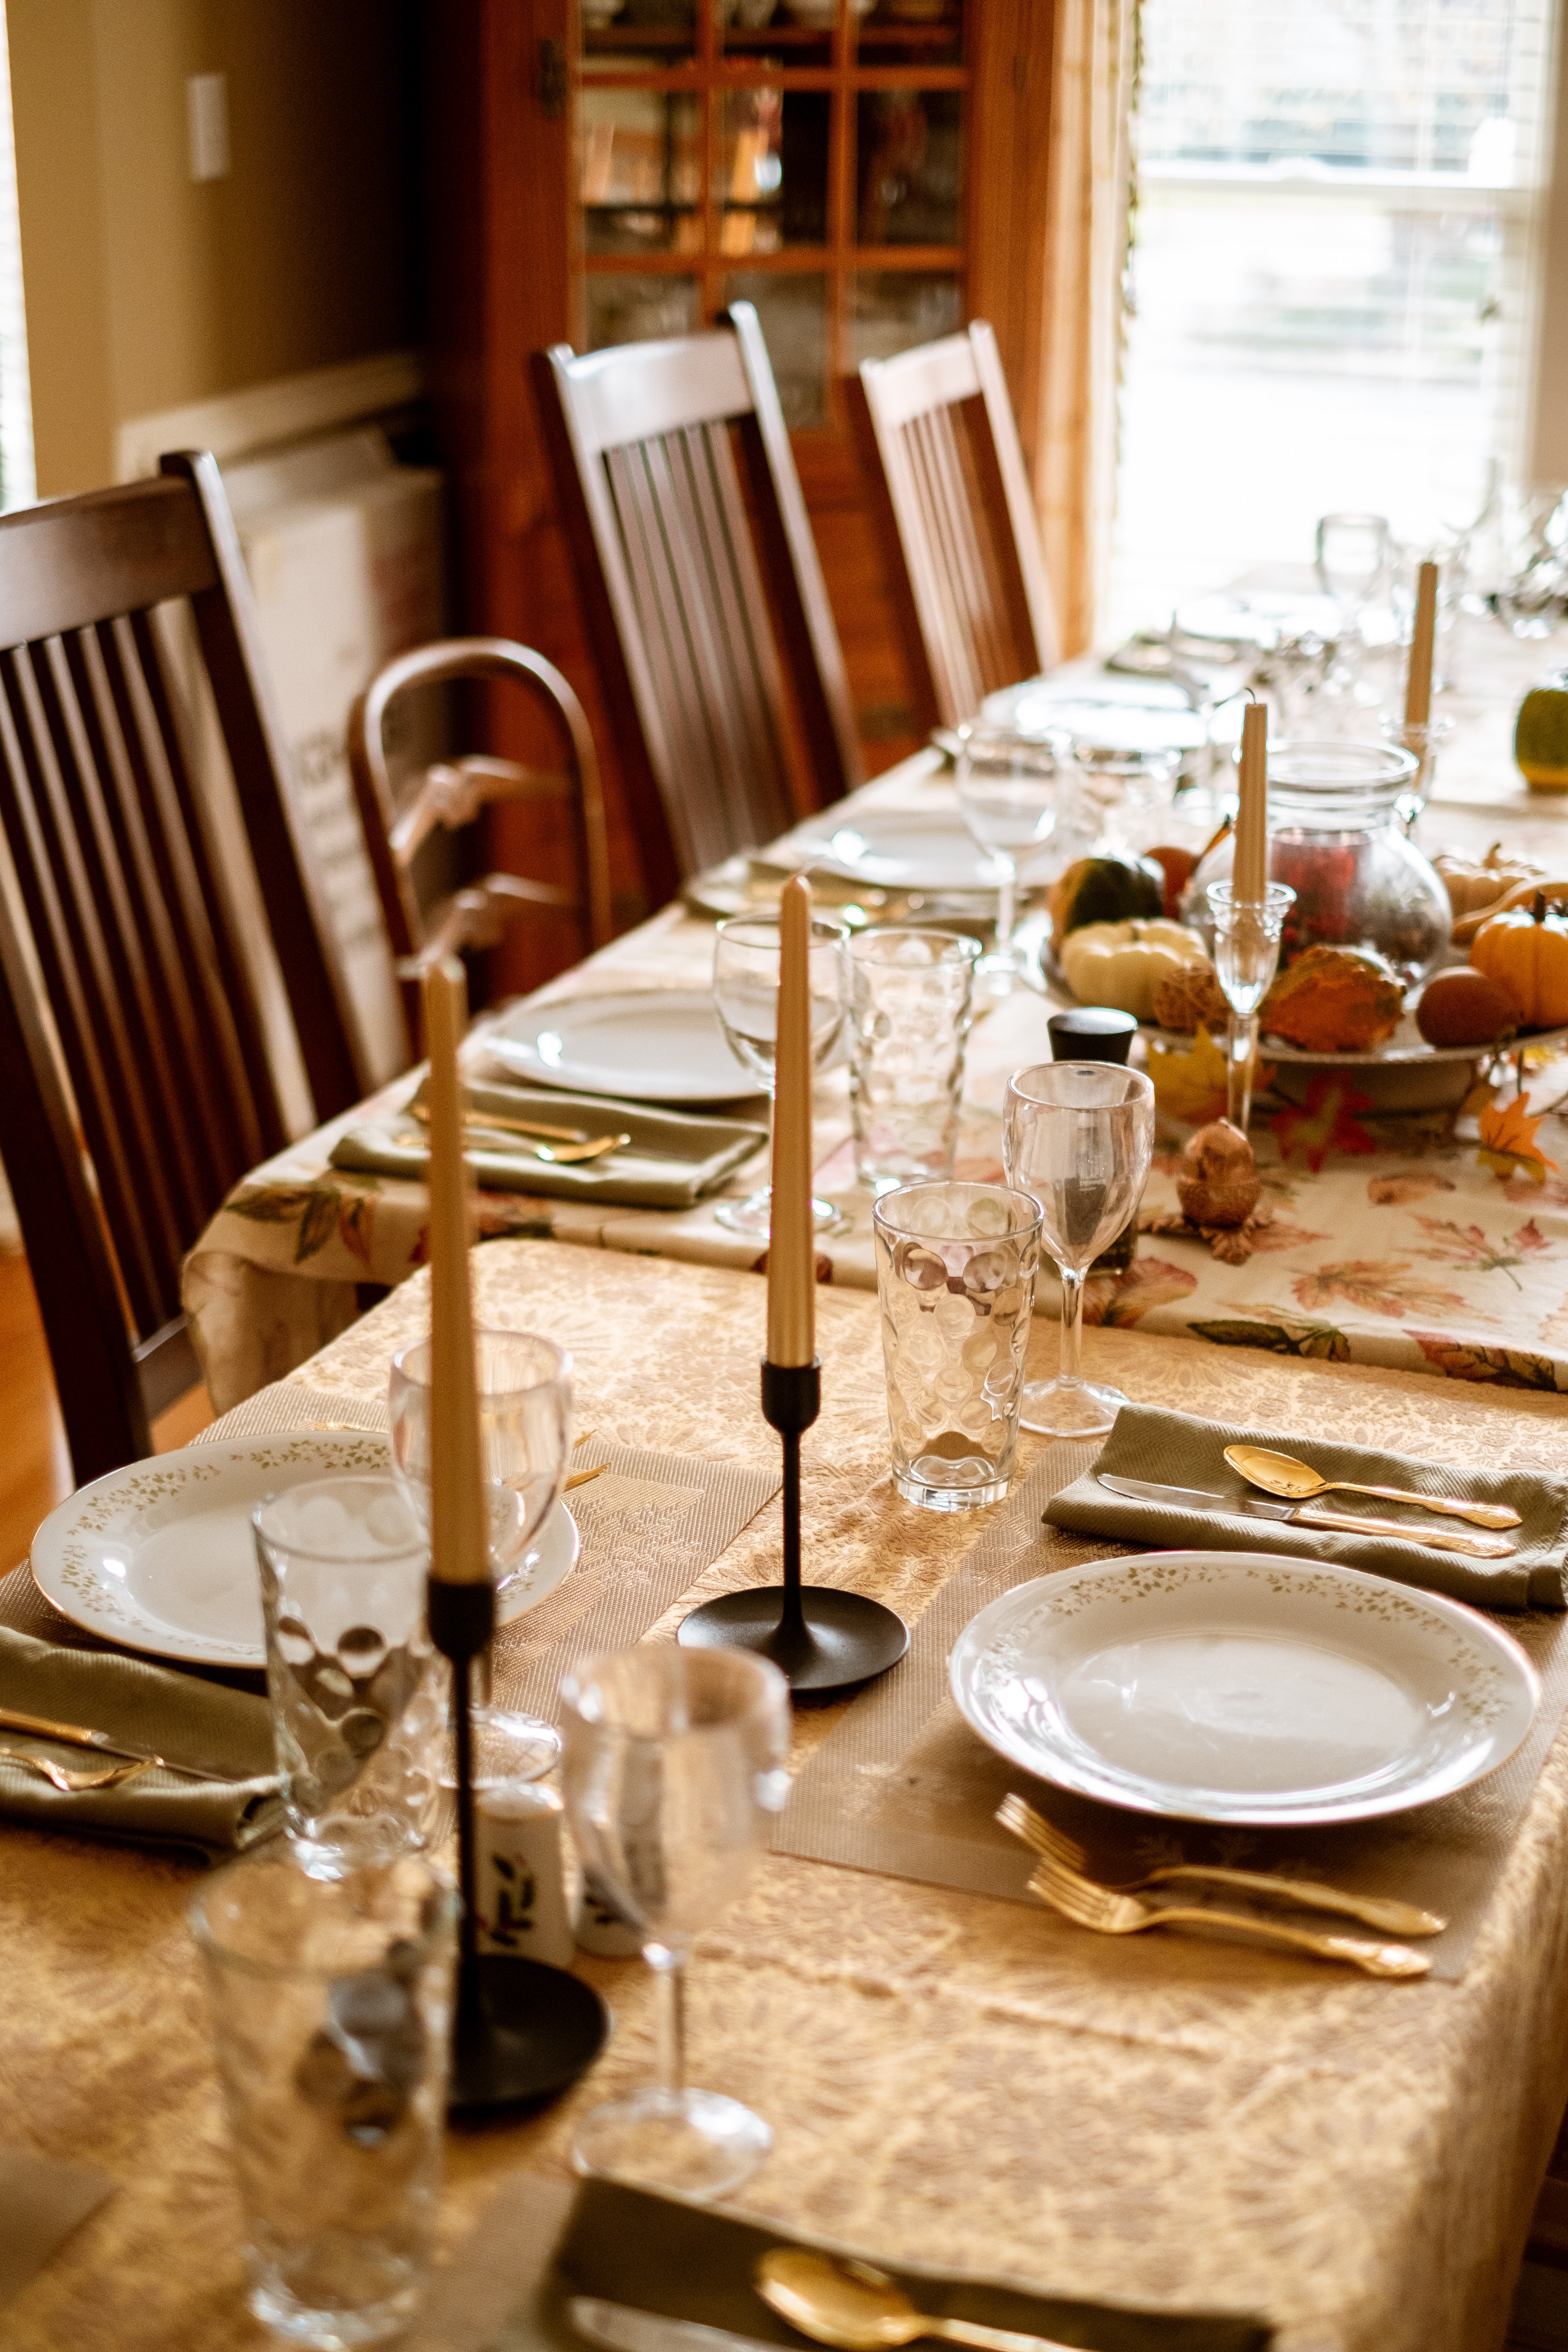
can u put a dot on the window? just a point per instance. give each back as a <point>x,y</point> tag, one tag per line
<point>1331,282</point>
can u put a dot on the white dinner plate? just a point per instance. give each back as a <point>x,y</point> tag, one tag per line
<point>895,849</point>
<point>1243,1686</point>
<point>161,1555</point>
<point>660,1044</point>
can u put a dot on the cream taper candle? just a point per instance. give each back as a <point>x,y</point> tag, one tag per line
<point>1249,869</point>
<point>458,1545</point>
<point>792,1239</point>
<point>1418,677</point>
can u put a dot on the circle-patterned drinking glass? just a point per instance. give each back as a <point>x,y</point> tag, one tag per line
<point>955,1280</point>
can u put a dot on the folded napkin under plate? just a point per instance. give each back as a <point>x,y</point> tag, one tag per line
<point>1176,1449</point>
<point>540,2244</point>
<point>671,1162</point>
<point>177,1714</point>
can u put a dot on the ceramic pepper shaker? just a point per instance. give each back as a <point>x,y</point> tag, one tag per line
<point>519,1874</point>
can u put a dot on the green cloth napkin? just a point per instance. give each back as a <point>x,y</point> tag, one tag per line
<point>176,1714</point>
<point>1178,1450</point>
<point>671,1162</point>
<point>690,2261</point>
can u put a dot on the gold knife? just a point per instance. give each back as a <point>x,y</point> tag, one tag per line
<point>76,1735</point>
<point>1248,1506</point>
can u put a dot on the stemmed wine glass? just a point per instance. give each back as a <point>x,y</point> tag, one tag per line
<point>1246,959</point>
<point>1076,1135</point>
<point>746,993</point>
<point>1355,555</point>
<point>674,1758</point>
<point>1012,790</point>
<point>525,1385</point>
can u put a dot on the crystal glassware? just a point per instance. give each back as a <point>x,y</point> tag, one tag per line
<point>1246,959</point>
<point>1354,560</point>
<point>1335,835</point>
<point>330,2001</point>
<point>746,994</point>
<point>955,1281</point>
<point>1423,742</point>
<point>674,1758</point>
<point>1077,1135</point>
<point>358,1692</point>
<point>1124,773</point>
<point>1012,791</point>
<point>909,998</point>
<point>524,1386</point>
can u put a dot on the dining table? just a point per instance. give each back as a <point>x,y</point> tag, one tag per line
<point>1165,2123</point>
<point>1160,2124</point>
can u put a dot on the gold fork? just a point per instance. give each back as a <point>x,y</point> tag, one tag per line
<point>556,1155</point>
<point>1111,1914</point>
<point>69,1778</point>
<point>1016,1813</point>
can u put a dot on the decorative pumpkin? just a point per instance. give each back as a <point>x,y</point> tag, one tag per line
<point>1473,883</point>
<point>1191,998</point>
<point>1178,867</point>
<point>1121,964</point>
<point>1334,1001</point>
<point>1463,1007</point>
<point>1541,735</point>
<point>1525,951</point>
<point>1218,1182</point>
<point>1517,894</point>
<point>1105,890</point>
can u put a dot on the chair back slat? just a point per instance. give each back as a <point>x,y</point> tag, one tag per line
<point>952,500</point>
<point>137,1080</point>
<point>701,589</point>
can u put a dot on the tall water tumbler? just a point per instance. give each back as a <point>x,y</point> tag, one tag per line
<point>955,1281</point>
<point>909,1013</point>
<point>331,2009</point>
<point>358,1692</point>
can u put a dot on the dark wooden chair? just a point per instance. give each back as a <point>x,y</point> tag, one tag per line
<point>701,589</point>
<point>133,1065</point>
<point>956,520</point>
<point>450,794</point>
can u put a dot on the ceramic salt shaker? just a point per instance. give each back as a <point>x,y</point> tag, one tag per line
<point>520,1878</point>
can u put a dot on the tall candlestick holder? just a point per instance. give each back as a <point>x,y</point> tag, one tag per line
<point>521,2031</point>
<point>821,1641</point>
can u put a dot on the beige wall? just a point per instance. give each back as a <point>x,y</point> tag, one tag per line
<point>145,290</point>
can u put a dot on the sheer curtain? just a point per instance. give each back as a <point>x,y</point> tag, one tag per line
<point>1094,69</point>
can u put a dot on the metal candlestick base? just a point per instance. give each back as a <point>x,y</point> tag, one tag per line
<point>521,2031</point>
<point>821,1641</point>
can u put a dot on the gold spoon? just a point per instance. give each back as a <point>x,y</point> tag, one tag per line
<point>862,2310</point>
<point>1281,1473</point>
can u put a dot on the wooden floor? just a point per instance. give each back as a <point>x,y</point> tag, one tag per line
<point>34,1471</point>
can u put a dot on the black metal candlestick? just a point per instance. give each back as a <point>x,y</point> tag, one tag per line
<point>821,1641</point>
<point>521,2031</point>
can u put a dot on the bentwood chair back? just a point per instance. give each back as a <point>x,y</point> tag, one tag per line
<point>133,1065</point>
<point>701,590</point>
<point>957,523</point>
<point>452,793</point>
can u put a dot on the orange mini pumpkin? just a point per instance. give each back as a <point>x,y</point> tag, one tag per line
<point>1526,952</point>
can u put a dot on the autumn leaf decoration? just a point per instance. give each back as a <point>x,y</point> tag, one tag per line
<point>1190,1083</point>
<point>1508,1147</point>
<point>1326,1122</point>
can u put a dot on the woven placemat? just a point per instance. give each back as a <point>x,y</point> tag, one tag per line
<point>650,1524</point>
<point>904,1787</point>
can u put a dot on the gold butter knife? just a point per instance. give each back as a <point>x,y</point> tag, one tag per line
<point>77,1735</point>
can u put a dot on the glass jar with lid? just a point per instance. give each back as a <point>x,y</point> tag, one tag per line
<point>1335,836</point>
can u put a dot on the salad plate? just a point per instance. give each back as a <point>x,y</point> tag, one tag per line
<point>161,1556</point>
<point>653,1045</point>
<point>1243,1688</point>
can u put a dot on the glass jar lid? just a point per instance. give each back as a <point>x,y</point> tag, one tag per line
<point>1335,785</point>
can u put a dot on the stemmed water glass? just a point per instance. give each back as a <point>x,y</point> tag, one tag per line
<point>1012,791</point>
<point>674,1759</point>
<point>525,1385</point>
<point>746,994</point>
<point>1354,556</point>
<point>1078,1136</point>
<point>1246,959</point>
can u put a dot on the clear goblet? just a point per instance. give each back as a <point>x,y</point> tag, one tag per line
<point>525,1385</point>
<point>674,1758</point>
<point>1012,791</point>
<point>746,995</point>
<point>1246,959</point>
<point>1078,1136</point>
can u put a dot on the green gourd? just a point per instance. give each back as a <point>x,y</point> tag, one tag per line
<point>1541,735</point>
